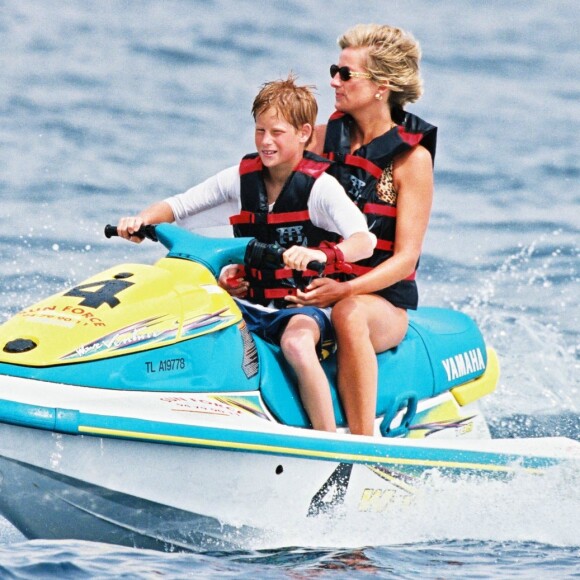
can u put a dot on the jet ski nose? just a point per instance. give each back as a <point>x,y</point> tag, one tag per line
<point>19,345</point>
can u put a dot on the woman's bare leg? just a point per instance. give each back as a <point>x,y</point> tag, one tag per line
<point>364,326</point>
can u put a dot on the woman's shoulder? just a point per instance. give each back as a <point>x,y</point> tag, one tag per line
<point>413,167</point>
<point>416,157</point>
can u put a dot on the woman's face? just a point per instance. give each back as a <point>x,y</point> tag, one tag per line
<point>356,93</point>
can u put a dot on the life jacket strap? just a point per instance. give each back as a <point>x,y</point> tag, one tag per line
<point>271,293</point>
<point>360,270</point>
<point>249,217</point>
<point>380,209</point>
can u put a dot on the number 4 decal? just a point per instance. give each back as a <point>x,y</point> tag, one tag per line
<point>96,294</point>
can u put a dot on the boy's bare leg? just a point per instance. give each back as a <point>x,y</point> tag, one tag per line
<point>298,344</point>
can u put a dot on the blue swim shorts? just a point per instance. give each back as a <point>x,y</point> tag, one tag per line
<point>270,325</point>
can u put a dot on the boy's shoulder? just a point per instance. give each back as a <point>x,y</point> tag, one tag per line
<point>327,193</point>
<point>327,181</point>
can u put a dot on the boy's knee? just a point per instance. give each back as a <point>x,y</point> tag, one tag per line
<point>297,345</point>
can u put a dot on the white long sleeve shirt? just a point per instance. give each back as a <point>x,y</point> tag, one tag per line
<point>213,202</point>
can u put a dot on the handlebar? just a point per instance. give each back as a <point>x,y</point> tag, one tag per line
<point>269,256</point>
<point>143,232</point>
<point>258,254</point>
<point>317,266</point>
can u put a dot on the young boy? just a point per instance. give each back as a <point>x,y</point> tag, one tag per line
<point>279,194</point>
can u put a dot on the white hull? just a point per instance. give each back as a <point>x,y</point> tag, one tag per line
<point>180,476</point>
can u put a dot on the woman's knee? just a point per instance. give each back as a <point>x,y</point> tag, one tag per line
<point>349,315</point>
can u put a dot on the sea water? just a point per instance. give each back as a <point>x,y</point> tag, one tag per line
<point>108,106</point>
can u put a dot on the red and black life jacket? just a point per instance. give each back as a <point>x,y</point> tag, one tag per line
<point>360,172</point>
<point>288,223</point>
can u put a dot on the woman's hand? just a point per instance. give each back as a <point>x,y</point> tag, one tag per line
<point>232,280</point>
<point>321,292</point>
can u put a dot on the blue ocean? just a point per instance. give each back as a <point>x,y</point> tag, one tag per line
<point>107,106</point>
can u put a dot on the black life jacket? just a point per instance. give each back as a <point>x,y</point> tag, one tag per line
<point>360,172</point>
<point>288,223</point>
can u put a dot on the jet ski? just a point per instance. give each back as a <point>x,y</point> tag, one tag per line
<point>137,409</point>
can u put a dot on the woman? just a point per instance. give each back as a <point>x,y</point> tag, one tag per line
<point>384,159</point>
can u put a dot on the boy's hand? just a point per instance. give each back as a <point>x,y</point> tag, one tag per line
<point>127,226</point>
<point>232,280</point>
<point>298,257</point>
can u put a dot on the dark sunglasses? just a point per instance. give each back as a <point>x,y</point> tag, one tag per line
<point>346,74</point>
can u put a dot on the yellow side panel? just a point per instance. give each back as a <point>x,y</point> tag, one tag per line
<point>128,308</point>
<point>469,392</point>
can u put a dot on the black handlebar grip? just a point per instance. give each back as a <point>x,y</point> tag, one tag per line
<point>110,231</point>
<point>147,231</point>
<point>316,266</point>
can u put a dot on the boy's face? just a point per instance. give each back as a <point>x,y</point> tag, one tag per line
<point>278,143</point>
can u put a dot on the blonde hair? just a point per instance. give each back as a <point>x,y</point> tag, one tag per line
<point>296,104</point>
<point>393,59</point>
